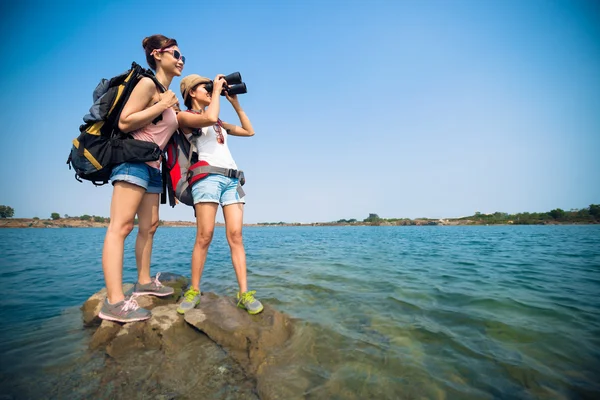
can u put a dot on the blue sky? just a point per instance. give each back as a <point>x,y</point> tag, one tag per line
<point>400,108</point>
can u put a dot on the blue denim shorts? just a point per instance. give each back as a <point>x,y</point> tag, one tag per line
<point>216,189</point>
<point>140,174</point>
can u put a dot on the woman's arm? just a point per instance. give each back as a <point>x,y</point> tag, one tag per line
<point>188,120</point>
<point>246,128</point>
<point>136,113</point>
<point>210,116</point>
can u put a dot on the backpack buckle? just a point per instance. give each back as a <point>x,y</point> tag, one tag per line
<point>232,173</point>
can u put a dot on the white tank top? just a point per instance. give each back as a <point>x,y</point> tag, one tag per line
<point>211,145</point>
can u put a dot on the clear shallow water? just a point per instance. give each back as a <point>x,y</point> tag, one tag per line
<point>392,312</point>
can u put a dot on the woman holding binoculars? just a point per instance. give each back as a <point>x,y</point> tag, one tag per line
<point>209,136</point>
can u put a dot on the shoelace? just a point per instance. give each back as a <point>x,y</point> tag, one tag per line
<point>247,297</point>
<point>130,304</point>
<point>157,282</point>
<point>189,295</point>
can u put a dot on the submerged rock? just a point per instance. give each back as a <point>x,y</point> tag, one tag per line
<point>105,333</point>
<point>250,339</point>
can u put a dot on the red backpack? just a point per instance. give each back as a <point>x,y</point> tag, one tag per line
<point>182,169</point>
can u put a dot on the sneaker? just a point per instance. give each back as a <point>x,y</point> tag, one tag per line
<point>154,288</point>
<point>191,299</point>
<point>247,301</point>
<point>126,310</point>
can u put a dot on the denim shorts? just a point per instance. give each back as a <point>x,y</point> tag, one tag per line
<point>140,174</point>
<point>216,189</point>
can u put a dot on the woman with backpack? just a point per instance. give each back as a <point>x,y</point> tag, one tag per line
<point>209,136</point>
<point>149,115</point>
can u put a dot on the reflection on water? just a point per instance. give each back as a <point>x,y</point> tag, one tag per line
<point>382,312</point>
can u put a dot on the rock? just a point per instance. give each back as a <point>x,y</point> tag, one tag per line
<point>164,318</point>
<point>269,383</point>
<point>167,330</point>
<point>104,334</point>
<point>129,338</point>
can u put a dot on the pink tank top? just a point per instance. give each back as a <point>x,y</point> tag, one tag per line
<point>158,133</point>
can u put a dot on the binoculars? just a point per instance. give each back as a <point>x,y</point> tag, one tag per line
<point>233,86</point>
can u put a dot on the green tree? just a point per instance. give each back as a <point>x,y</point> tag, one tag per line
<point>55,216</point>
<point>98,219</point>
<point>85,217</point>
<point>557,213</point>
<point>595,210</point>
<point>6,212</point>
<point>372,218</point>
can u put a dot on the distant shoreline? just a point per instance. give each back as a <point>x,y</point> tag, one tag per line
<point>71,222</point>
<point>75,222</point>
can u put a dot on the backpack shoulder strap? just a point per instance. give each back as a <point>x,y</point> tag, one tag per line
<point>148,73</point>
<point>168,191</point>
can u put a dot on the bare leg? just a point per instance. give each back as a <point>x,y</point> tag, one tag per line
<point>234,215</point>
<point>147,223</point>
<point>205,227</point>
<point>125,201</point>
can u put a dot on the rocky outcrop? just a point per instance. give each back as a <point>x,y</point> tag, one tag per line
<point>252,344</point>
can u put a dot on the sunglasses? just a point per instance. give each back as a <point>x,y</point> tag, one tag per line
<point>175,53</point>
<point>219,132</point>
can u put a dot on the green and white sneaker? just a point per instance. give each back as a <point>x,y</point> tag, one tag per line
<point>247,301</point>
<point>191,299</point>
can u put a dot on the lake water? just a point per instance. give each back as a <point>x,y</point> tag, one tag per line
<point>396,312</point>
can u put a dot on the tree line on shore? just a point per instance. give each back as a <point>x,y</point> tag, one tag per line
<point>8,212</point>
<point>84,217</point>
<point>588,215</point>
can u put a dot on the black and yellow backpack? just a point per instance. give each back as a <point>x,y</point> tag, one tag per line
<point>101,145</point>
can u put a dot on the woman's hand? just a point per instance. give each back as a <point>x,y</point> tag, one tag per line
<point>232,99</point>
<point>168,99</point>
<point>218,84</point>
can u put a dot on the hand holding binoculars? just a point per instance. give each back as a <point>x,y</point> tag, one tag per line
<point>233,86</point>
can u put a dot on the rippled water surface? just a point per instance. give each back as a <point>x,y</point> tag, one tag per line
<point>390,312</point>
